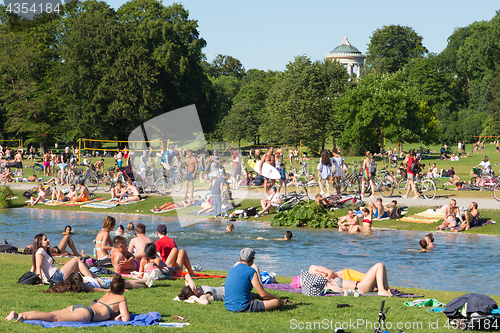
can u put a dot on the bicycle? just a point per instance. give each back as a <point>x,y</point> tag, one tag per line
<point>303,171</point>
<point>176,178</point>
<point>291,200</point>
<point>91,180</point>
<point>424,186</point>
<point>496,192</point>
<point>352,179</point>
<point>382,183</point>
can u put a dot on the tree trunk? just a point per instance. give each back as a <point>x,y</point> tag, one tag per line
<point>381,142</point>
<point>42,147</point>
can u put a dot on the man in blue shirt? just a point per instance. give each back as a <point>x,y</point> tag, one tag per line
<point>168,157</point>
<point>239,283</point>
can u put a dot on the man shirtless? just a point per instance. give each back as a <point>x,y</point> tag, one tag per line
<point>471,218</point>
<point>192,166</point>
<point>138,243</point>
<point>133,193</point>
<point>346,222</point>
<point>99,165</point>
<point>18,162</point>
<point>270,159</point>
<point>59,195</point>
<point>377,209</point>
<point>84,193</point>
<point>118,191</point>
<point>123,261</point>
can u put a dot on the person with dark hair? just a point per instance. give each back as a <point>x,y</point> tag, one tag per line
<point>324,172</point>
<point>137,244</point>
<point>151,266</point>
<point>429,239</point>
<point>288,236</point>
<point>43,263</point>
<point>409,161</point>
<point>230,227</point>
<point>202,295</point>
<point>240,281</point>
<point>423,245</point>
<point>84,193</point>
<point>270,159</point>
<point>123,261</point>
<point>113,305</point>
<point>74,284</point>
<point>169,252</point>
<point>348,221</point>
<point>471,219</point>
<point>367,176</point>
<point>273,200</point>
<point>120,230</point>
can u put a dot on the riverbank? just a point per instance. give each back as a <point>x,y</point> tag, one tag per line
<point>319,311</point>
<point>250,198</point>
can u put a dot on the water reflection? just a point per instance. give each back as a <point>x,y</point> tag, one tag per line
<point>459,262</point>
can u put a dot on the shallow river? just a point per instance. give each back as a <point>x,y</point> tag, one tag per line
<point>459,262</point>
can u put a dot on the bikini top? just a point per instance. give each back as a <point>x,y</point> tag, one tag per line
<point>112,314</point>
<point>367,221</point>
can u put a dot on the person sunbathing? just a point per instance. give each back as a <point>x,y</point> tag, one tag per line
<point>173,205</point>
<point>59,196</point>
<point>42,196</point>
<point>374,280</point>
<point>202,295</point>
<point>207,205</point>
<point>113,305</point>
<point>134,194</point>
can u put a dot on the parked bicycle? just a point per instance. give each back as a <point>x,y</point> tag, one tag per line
<point>425,187</point>
<point>383,183</point>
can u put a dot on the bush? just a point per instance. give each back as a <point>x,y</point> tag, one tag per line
<point>307,214</point>
<point>5,195</point>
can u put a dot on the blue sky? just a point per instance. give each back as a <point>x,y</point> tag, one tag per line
<point>268,34</point>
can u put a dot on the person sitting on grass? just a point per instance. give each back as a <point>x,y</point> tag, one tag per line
<point>451,216</point>
<point>134,194</point>
<point>472,217</point>
<point>377,209</point>
<point>113,305</point>
<point>240,281</point>
<point>59,196</point>
<point>123,261</point>
<point>367,222</point>
<point>292,179</point>
<point>207,205</point>
<point>170,254</point>
<point>173,205</point>
<point>202,295</point>
<point>454,179</point>
<point>84,193</point>
<point>42,196</point>
<point>7,175</point>
<point>138,243</point>
<point>374,280</point>
<point>272,201</point>
<point>348,221</point>
<point>119,191</point>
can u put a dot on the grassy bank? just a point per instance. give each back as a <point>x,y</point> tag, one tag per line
<point>214,317</point>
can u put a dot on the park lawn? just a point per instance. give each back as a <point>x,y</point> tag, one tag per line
<point>214,317</point>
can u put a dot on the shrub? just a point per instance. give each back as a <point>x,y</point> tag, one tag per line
<point>309,214</point>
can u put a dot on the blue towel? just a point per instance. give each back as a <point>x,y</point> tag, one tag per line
<point>148,319</point>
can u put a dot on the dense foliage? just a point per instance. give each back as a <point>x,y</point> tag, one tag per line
<point>309,214</point>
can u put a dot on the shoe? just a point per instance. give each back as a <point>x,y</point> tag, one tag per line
<point>257,216</point>
<point>321,192</point>
<point>327,195</point>
<point>356,293</point>
<point>348,292</point>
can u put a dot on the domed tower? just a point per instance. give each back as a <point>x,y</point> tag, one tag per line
<point>348,55</point>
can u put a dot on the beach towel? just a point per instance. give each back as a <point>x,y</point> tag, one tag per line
<point>286,287</point>
<point>420,303</point>
<point>428,217</point>
<point>148,319</point>
<point>198,276</point>
<point>101,205</point>
<point>82,203</point>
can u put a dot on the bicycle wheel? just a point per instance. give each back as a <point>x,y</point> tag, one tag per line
<point>403,187</point>
<point>162,187</point>
<point>428,189</point>
<point>496,192</point>
<point>149,181</point>
<point>106,183</point>
<point>92,183</point>
<point>486,184</point>
<point>386,187</point>
<point>177,180</point>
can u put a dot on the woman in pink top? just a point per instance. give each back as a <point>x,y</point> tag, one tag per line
<point>409,160</point>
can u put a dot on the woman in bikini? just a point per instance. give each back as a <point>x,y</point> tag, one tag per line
<point>207,205</point>
<point>451,216</point>
<point>103,242</point>
<point>113,305</point>
<point>367,222</point>
<point>172,205</point>
<point>374,280</point>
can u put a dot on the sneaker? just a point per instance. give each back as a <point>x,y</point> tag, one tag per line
<point>356,293</point>
<point>327,195</point>
<point>257,216</point>
<point>348,292</point>
<point>321,192</point>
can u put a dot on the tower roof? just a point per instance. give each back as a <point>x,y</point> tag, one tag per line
<point>345,47</point>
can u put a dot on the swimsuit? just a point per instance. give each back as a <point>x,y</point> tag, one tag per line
<point>367,221</point>
<point>112,314</point>
<point>339,282</point>
<point>99,248</point>
<point>88,308</point>
<point>375,215</point>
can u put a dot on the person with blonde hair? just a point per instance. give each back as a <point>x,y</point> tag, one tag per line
<point>102,241</point>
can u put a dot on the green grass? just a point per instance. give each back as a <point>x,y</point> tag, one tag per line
<point>214,317</point>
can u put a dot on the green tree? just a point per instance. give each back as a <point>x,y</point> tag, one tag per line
<point>379,108</point>
<point>225,65</point>
<point>238,125</point>
<point>392,47</point>
<point>492,123</point>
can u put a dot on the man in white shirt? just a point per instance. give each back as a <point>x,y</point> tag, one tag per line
<point>273,200</point>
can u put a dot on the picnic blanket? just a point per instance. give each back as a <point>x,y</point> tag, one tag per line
<point>286,287</point>
<point>148,319</point>
<point>428,217</point>
<point>68,203</point>
<point>198,276</point>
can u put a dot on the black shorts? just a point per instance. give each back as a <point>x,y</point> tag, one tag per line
<point>65,199</point>
<point>254,306</point>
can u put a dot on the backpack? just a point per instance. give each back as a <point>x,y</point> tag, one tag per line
<point>29,278</point>
<point>372,168</point>
<point>252,211</point>
<point>444,173</point>
<point>414,167</point>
